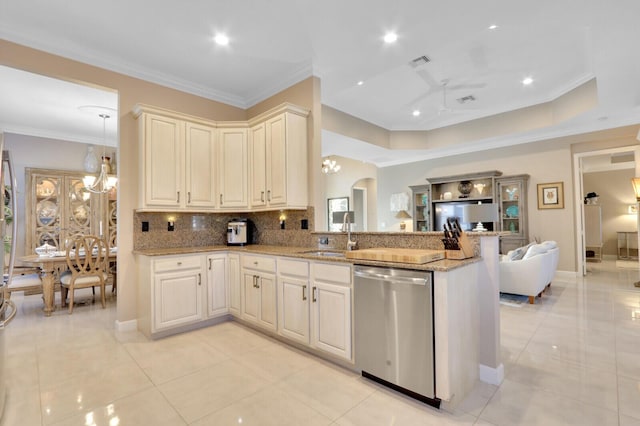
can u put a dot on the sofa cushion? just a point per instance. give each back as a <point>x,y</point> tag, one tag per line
<point>518,254</point>
<point>549,244</point>
<point>535,250</point>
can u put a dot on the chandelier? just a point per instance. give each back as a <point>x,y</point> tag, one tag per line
<point>103,183</point>
<point>330,166</point>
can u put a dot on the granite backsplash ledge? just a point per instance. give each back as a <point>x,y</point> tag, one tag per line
<point>210,229</point>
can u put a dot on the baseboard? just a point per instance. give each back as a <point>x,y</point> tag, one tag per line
<point>131,325</point>
<point>493,376</point>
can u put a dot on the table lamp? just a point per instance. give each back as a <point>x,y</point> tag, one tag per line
<point>479,213</point>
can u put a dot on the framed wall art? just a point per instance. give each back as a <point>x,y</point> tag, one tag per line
<point>551,195</point>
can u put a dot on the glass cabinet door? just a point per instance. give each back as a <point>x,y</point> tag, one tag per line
<point>421,208</point>
<point>512,205</point>
<point>47,212</point>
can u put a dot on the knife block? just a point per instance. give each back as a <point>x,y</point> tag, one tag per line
<point>466,249</point>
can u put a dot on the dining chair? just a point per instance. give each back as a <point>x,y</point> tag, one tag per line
<point>24,279</point>
<point>87,259</point>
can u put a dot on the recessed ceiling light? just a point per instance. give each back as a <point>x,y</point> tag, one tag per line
<point>416,113</point>
<point>493,27</point>
<point>527,81</point>
<point>390,37</point>
<point>221,39</point>
<point>360,83</point>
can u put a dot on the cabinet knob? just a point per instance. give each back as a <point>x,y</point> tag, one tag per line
<point>179,263</point>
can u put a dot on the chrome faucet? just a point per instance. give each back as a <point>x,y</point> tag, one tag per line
<point>346,227</point>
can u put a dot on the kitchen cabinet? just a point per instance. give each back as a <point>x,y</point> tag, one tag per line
<point>259,291</point>
<point>233,175</point>
<point>178,162</point>
<point>511,196</point>
<point>293,300</point>
<point>279,160</point>
<point>217,285</point>
<point>235,285</point>
<point>58,207</point>
<point>331,308</point>
<point>177,291</point>
<point>421,211</point>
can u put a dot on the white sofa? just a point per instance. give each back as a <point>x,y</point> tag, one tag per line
<point>530,273</point>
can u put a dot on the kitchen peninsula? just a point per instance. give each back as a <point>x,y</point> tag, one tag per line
<point>278,289</point>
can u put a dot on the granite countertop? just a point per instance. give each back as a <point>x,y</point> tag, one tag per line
<point>303,253</point>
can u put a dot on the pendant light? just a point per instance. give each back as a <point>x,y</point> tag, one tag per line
<point>103,183</point>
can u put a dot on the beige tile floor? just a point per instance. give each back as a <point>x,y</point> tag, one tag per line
<point>571,359</point>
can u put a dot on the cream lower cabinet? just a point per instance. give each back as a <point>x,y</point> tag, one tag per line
<point>176,291</point>
<point>293,300</point>
<point>217,285</point>
<point>259,291</point>
<point>331,309</point>
<point>235,285</point>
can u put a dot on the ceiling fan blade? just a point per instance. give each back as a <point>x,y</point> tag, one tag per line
<point>468,86</point>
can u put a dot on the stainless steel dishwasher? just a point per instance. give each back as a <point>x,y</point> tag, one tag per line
<point>394,343</point>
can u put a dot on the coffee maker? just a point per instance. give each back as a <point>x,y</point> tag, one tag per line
<point>238,232</point>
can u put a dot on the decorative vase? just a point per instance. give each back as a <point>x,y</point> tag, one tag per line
<point>465,187</point>
<point>512,227</point>
<point>107,164</point>
<point>90,161</point>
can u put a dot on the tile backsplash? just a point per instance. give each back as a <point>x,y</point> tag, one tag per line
<point>208,229</point>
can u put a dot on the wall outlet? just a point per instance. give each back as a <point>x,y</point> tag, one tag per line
<point>323,241</point>
<point>145,226</point>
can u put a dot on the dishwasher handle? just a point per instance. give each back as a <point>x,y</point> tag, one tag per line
<point>378,276</point>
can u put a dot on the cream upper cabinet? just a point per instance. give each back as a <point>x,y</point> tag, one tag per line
<point>257,171</point>
<point>193,164</point>
<point>179,163</point>
<point>233,176</point>
<point>279,162</point>
<point>163,143</point>
<point>200,166</point>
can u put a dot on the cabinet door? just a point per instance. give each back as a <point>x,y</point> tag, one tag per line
<point>234,157</point>
<point>177,298</point>
<point>268,313</point>
<point>200,166</point>
<point>293,321</point>
<point>235,285</point>
<point>276,161</point>
<point>258,153</point>
<point>331,313</point>
<point>163,156</point>
<point>250,297</point>
<point>217,285</point>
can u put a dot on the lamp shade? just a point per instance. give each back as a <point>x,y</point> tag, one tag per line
<point>403,214</point>
<point>480,213</point>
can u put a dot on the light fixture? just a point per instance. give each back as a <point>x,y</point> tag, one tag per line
<point>416,112</point>
<point>403,215</point>
<point>480,213</point>
<point>632,209</point>
<point>527,81</point>
<point>103,183</point>
<point>390,37</point>
<point>636,187</point>
<point>221,39</point>
<point>330,166</point>
<point>360,83</point>
<point>493,27</point>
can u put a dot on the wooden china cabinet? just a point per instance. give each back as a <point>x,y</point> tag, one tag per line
<point>58,207</point>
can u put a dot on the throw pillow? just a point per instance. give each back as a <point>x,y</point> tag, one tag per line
<point>534,250</point>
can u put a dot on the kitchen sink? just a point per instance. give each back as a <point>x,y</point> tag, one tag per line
<point>324,253</point>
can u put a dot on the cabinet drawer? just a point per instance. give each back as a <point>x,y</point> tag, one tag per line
<point>177,263</point>
<point>331,273</point>
<point>261,263</point>
<point>296,268</point>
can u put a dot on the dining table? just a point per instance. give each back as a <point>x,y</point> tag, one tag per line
<point>48,264</point>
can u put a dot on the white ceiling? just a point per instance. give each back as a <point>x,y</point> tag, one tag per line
<point>559,43</point>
